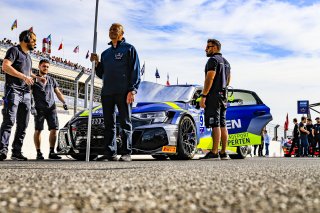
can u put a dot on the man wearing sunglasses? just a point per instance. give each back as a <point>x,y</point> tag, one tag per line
<point>45,109</point>
<point>214,99</point>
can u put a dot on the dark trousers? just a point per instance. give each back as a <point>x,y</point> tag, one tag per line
<point>267,149</point>
<point>316,141</point>
<point>16,107</point>
<point>255,149</point>
<point>260,149</point>
<point>109,102</point>
<point>295,142</point>
<point>304,145</point>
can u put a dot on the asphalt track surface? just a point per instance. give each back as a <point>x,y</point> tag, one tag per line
<point>145,185</point>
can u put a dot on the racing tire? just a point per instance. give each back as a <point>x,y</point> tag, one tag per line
<point>187,140</point>
<point>242,151</point>
<point>83,157</point>
<point>160,157</point>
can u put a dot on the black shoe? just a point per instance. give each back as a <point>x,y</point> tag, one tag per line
<point>39,156</point>
<point>126,158</point>
<point>18,156</point>
<point>53,156</point>
<point>2,156</point>
<point>224,156</point>
<point>210,156</point>
<point>107,158</point>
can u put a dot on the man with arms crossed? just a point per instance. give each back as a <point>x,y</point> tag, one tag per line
<point>214,98</point>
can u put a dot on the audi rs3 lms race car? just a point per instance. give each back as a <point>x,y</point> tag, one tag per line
<point>168,123</point>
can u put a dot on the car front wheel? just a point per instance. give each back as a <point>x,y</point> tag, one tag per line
<point>242,152</point>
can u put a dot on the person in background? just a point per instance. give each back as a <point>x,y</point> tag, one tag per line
<point>295,139</point>
<point>266,139</point>
<point>309,127</point>
<point>260,154</point>
<point>316,134</point>
<point>303,137</point>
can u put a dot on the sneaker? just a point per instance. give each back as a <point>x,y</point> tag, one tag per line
<point>126,158</point>
<point>2,156</point>
<point>39,156</point>
<point>224,156</point>
<point>210,156</point>
<point>107,158</point>
<point>18,156</point>
<point>53,156</point>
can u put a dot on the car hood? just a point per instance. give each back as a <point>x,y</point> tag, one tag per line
<point>139,108</point>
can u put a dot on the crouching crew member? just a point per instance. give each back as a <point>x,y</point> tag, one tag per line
<point>45,109</point>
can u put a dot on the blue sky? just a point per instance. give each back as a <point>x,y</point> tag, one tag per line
<point>272,46</point>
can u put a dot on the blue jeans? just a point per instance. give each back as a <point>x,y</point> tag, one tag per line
<point>16,108</point>
<point>304,145</point>
<point>267,149</point>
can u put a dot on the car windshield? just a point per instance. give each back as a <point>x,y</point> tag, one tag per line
<point>153,92</point>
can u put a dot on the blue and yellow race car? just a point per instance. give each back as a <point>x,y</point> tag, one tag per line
<point>168,123</point>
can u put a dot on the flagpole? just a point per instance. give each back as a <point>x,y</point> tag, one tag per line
<point>92,84</point>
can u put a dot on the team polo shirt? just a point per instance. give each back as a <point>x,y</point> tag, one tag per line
<point>44,93</point>
<point>22,62</point>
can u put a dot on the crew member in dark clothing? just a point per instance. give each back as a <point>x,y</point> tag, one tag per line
<point>309,127</point>
<point>261,146</point>
<point>214,98</point>
<point>45,109</point>
<point>295,139</point>
<point>303,137</point>
<point>316,134</point>
<point>120,70</point>
<point>17,66</point>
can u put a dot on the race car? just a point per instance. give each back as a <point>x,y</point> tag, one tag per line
<point>169,123</point>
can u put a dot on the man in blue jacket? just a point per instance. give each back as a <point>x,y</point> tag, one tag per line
<point>119,69</point>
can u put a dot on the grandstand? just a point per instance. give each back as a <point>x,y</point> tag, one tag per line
<point>65,76</point>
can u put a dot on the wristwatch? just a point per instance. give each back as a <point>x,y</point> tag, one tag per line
<point>133,92</point>
<point>202,95</point>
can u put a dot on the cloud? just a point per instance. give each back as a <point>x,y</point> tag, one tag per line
<point>272,45</point>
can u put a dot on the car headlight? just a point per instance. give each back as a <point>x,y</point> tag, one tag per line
<point>156,117</point>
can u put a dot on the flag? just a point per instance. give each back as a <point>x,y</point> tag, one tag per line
<point>49,38</point>
<point>142,69</point>
<point>286,123</point>
<point>157,73</point>
<point>168,83</point>
<point>87,56</point>
<point>76,49</point>
<point>14,25</point>
<point>31,29</point>
<point>60,46</point>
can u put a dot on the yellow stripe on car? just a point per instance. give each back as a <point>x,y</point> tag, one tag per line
<point>239,139</point>
<point>173,105</point>
<point>86,112</point>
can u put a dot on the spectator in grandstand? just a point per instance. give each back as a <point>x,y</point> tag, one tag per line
<point>17,66</point>
<point>120,70</point>
<point>45,109</point>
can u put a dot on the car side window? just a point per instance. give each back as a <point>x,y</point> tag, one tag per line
<point>239,98</point>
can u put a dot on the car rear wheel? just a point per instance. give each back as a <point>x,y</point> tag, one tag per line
<point>160,157</point>
<point>242,152</point>
<point>83,157</point>
<point>187,140</point>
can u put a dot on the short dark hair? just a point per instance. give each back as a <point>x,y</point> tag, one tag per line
<point>24,34</point>
<point>215,42</point>
<point>295,120</point>
<point>303,118</point>
<point>309,119</point>
<point>44,61</point>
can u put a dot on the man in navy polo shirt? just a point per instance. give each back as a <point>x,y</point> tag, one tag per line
<point>120,70</point>
<point>17,66</point>
<point>45,108</point>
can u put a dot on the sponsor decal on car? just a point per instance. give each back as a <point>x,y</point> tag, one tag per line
<point>169,149</point>
<point>239,139</point>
